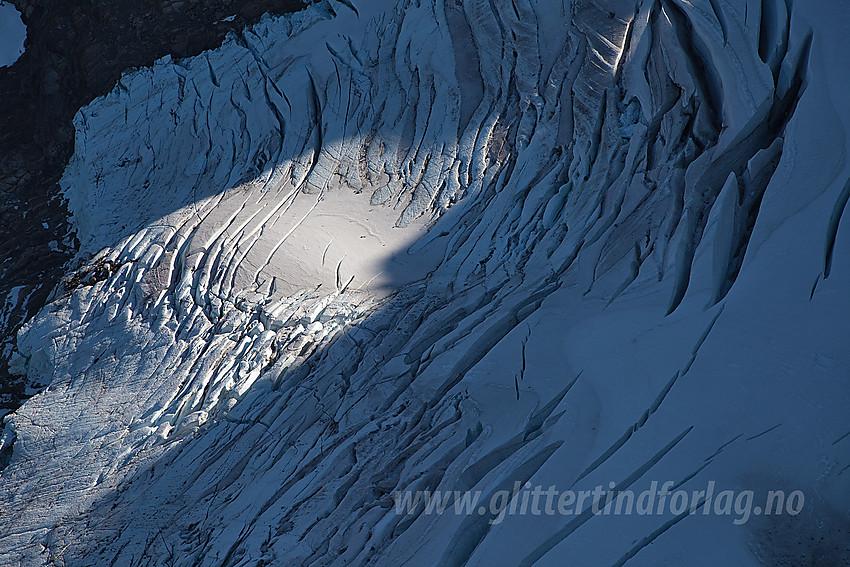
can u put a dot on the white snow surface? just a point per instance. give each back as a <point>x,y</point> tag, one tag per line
<point>415,244</point>
<point>13,33</point>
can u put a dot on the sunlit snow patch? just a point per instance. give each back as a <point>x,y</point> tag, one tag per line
<point>13,32</point>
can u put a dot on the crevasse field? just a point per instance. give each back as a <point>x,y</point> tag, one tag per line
<point>374,248</point>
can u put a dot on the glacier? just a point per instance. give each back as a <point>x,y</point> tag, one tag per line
<point>449,245</point>
<point>13,34</point>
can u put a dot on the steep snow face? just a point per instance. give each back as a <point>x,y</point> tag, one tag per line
<point>13,33</point>
<point>417,245</point>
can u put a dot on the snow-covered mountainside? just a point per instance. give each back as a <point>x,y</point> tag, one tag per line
<point>380,247</point>
<point>75,52</point>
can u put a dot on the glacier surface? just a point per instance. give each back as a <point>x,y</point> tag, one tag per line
<point>13,33</point>
<point>449,245</point>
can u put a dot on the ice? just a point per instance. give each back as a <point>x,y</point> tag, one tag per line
<point>388,246</point>
<point>13,33</point>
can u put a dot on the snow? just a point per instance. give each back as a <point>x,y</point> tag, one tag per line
<point>13,33</point>
<point>384,246</point>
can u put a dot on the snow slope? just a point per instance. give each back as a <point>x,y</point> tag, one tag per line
<point>387,246</point>
<point>13,33</point>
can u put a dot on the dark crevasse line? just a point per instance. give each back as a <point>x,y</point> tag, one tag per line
<point>832,228</point>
